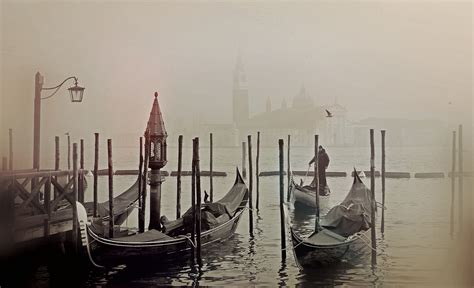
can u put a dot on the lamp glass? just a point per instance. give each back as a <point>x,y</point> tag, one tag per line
<point>76,93</point>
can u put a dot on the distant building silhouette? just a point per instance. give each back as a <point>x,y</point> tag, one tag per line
<point>302,99</point>
<point>240,96</point>
<point>268,105</point>
<point>283,104</point>
<point>302,120</point>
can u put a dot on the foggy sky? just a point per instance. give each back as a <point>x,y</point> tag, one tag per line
<point>391,59</point>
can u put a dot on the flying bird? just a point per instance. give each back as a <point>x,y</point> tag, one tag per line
<point>329,113</point>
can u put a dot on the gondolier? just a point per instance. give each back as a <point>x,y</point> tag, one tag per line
<point>323,163</point>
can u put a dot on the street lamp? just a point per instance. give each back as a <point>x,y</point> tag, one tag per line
<point>76,93</point>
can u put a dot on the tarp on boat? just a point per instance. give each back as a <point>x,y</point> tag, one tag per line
<point>122,205</point>
<point>353,214</point>
<point>213,214</point>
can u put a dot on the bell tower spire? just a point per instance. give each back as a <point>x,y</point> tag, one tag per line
<point>240,98</point>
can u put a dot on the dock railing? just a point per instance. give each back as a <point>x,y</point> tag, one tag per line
<point>35,210</point>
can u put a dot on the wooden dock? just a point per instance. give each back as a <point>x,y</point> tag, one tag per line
<point>37,205</point>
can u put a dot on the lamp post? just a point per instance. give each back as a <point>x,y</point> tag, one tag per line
<point>156,136</point>
<point>76,92</point>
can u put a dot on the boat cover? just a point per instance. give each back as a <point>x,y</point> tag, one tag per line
<point>353,214</point>
<point>148,236</point>
<point>121,204</point>
<point>212,214</point>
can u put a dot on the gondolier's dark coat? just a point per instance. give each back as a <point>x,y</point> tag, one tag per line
<point>323,163</point>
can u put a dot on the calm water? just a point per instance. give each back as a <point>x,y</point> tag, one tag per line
<point>415,249</point>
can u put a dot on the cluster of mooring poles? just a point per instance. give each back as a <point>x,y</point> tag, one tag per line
<point>247,148</point>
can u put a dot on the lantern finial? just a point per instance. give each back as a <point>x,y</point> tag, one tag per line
<point>156,94</point>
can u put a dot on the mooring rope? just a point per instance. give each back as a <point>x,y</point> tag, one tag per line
<point>294,246</point>
<point>306,175</point>
<point>190,240</point>
<point>381,205</point>
<point>366,242</point>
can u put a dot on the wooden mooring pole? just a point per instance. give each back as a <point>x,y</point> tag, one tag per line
<point>372,189</point>
<point>249,140</point>
<point>141,224</point>
<point>10,133</point>
<point>4,163</point>
<point>81,173</point>
<point>461,180</point>
<point>111,188</point>
<point>96,170</point>
<point>198,204</point>
<point>47,205</point>
<point>75,231</point>
<point>178,177</point>
<point>82,154</point>
<point>316,178</point>
<point>140,180</point>
<point>211,184</point>
<point>56,161</point>
<point>382,226</point>
<point>288,174</point>
<point>68,151</point>
<point>56,153</point>
<point>257,177</point>
<point>81,187</point>
<point>244,170</point>
<point>282,199</point>
<point>193,205</point>
<point>453,186</point>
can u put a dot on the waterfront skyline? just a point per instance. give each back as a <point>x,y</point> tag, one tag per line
<point>381,60</point>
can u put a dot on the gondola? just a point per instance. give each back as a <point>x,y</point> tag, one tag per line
<point>220,220</point>
<point>123,205</point>
<point>305,196</point>
<point>344,229</point>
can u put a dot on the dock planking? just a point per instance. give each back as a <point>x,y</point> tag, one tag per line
<point>32,218</point>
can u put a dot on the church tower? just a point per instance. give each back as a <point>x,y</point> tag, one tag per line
<point>240,97</point>
<point>268,105</point>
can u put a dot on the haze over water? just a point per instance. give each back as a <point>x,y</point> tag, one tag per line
<point>381,60</point>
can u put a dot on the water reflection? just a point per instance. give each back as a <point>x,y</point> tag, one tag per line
<point>415,223</point>
<point>176,271</point>
<point>282,274</point>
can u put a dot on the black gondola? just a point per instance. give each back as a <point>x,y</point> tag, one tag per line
<point>175,240</point>
<point>345,227</point>
<point>306,195</point>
